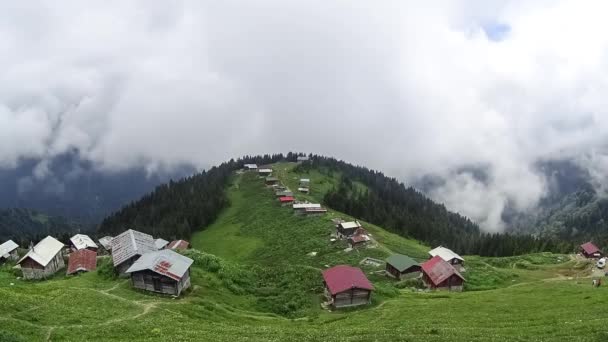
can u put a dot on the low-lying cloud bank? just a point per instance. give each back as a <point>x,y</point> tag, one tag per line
<point>408,88</point>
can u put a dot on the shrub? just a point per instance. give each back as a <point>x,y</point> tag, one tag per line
<point>106,269</point>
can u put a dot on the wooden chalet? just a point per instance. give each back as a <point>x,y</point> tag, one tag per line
<point>82,260</point>
<point>358,240</point>
<point>178,245</point>
<point>163,271</point>
<point>8,251</point>
<point>347,229</point>
<point>300,208</point>
<point>128,247</point>
<point>304,190</point>
<point>449,256</point>
<point>264,172</point>
<point>590,251</point>
<point>270,181</point>
<point>314,211</point>
<point>347,286</point>
<point>438,274</point>
<point>81,241</point>
<point>250,167</point>
<point>402,267</point>
<point>305,182</point>
<point>43,260</point>
<point>302,159</point>
<point>106,243</point>
<point>160,243</point>
<point>284,193</point>
<point>286,200</point>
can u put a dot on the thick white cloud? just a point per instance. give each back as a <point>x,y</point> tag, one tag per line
<point>402,86</point>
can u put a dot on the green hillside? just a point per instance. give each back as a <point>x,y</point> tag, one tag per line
<point>254,280</point>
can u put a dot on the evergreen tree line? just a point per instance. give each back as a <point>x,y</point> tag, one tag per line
<point>386,202</point>
<point>24,226</point>
<point>177,209</point>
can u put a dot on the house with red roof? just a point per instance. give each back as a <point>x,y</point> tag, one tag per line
<point>438,274</point>
<point>589,250</point>
<point>347,286</point>
<point>82,260</point>
<point>286,200</point>
<point>178,245</point>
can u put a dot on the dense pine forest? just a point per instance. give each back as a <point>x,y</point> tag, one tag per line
<point>179,208</point>
<point>24,226</point>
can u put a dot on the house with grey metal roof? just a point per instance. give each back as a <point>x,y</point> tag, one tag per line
<point>163,271</point>
<point>81,241</point>
<point>43,260</point>
<point>128,247</point>
<point>160,243</point>
<point>106,243</point>
<point>8,251</point>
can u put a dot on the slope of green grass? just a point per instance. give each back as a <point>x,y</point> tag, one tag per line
<point>261,285</point>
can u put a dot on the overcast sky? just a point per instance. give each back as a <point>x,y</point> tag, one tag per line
<point>407,87</point>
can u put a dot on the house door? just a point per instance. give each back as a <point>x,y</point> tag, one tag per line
<point>157,284</point>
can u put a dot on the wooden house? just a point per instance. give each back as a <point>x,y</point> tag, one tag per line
<point>43,260</point>
<point>250,167</point>
<point>347,286</point>
<point>128,247</point>
<point>270,181</point>
<point>402,267</point>
<point>300,208</point>
<point>160,243</point>
<point>284,193</point>
<point>106,243</point>
<point>358,240</point>
<point>178,245</point>
<point>438,274</point>
<point>82,260</point>
<point>264,172</point>
<point>304,190</point>
<point>286,200</point>
<point>81,241</point>
<point>163,271</point>
<point>302,159</point>
<point>347,229</point>
<point>590,251</point>
<point>8,251</point>
<point>314,211</point>
<point>449,256</point>
<point>305,182</point>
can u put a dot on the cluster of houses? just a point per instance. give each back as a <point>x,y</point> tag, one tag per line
<point>285,196</point>
<point>347,286</point>
<point>152,264</point>
<point>355,235</point>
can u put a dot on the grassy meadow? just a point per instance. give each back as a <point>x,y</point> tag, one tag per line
<point>254,280</point>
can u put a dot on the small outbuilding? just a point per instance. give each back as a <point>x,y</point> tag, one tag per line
<point>305,182</point>
<point>304,190</point>
<point>128,247</point>
<point>314,211</point>
<point>106,243</point>
<point>286,200</point>
<point>401,267</point>
<point>449,256</point>
<point>590,251</point>
<point>438,274</point>
<point>82,260</point>
<point>163,271</point>
<point>8,251</point>
<point>178,245</point>
<point>160,243</point>
<point>270,181</point>
<point>250,167</point>
<point>284,193</point>
<point>347,229</point>
<point>81,241</point>
<point>300,208</point>
<point>302,159</point>
<point>264,172</point>
<point>358,240</point>
<point>347,286</point>
<point>43,260</point>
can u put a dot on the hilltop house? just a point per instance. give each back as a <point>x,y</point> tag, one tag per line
<point>106,243</point>
<point>82,260</point>
<point>160,243</point>
<point>347,286</point>
<point>178,245</point>
<point>264,172</point>
<point>346,229</point>
<point>438,274</point>
<point>270,181</point>
<point>286,200</point>
<point>402,267</point>
<point>128,247</point>
<point>250,167</point>
<point>81,241</point>
<point>43,260</point>
<point>8,251</point>
<point>303,159</point>
<point>589,250</point>
<point>161,271</point>
<point>449,256</point>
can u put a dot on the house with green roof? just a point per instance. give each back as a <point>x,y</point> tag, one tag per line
<point>402,266</point>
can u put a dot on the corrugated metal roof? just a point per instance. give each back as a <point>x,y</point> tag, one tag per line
<point>306,205</point>
<point>251,166</point>
<point>160,243</point>
<point>350,225</point>
<point>7,247</point>
<point>106,242</point>
<point>82,260</point>
<point>359,238</point>
<point>81,241</point>
<point>44,251</point>
<point>304,180</point>
<point>445,254</point>
<point>401,262</point>
<point>438,270</point>
<point>590,248</point>
<point>286,199</point>
<point>265,170</point>
<point>129,244</point>
<point>342,278</point>
<point>303,158</point>
<point>178,244</point>
<point>165,262</point>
